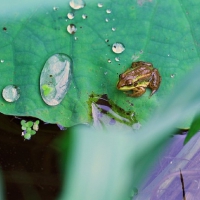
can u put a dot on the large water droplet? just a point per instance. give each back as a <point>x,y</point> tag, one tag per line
<point>118,47</point>
<point>11,93</point>
<point>77,4</point>
<point>100,5</point>
<point>70,15</point>
<point>55,79</point>
<point>71,28</point>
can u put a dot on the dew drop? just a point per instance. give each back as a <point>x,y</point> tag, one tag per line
<point>100,5</point>
<point>109,60</point>
<point>77,4</point>
<point>172,75</point>
<point>2,61</point>
<point>118,47</point>
<point>11,93</point>
<point>53,89</point>
<point>84,16</point>
<point>106,40</point>
<point>71,28</point>
<point>75,38</point>
<point>105,73</point>
<point>107,20</point>
<point>113,29</point>
<point>70,15</point>
<point>117,59</point>
<point>108,11</point>
<point>55,8</point>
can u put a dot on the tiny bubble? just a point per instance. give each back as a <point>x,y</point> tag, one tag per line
<point>117,59</point>
<point>84,16</point>
<point>100,5</point>
<point>70,15</point>
<point>172,75</point>
<point>108,11</point>
<point>109,60</point>
<point>55,8</point>
<point>113,29</point>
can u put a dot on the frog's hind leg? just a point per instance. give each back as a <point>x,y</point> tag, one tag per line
<point>137,92</point>
<point>154,82</point>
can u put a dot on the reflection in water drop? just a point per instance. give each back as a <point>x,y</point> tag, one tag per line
<point>77,4</point>
<point>108,11</point>
<point>71,28</point>
<point>11,93</point>
<point>70,15</point>
<point>113,29</point>
<point>55,79</point>
<point>118,47</point>
<point>84,16</point>
<point>100,5</point>
<point>117,59</point>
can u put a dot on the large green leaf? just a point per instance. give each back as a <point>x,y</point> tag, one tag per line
<point>165,33</point>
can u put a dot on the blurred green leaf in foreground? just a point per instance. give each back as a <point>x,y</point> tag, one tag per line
<point>108,164</point>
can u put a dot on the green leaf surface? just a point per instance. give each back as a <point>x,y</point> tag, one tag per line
<point>165,33</point>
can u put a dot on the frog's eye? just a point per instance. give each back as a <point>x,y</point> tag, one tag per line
<point>129,82</point>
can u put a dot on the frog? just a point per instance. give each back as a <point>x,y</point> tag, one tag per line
<point>138,77</point>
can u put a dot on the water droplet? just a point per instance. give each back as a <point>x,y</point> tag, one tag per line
<point>84,16</point>
<point>168,55</point>
<point>2,61</point>
<point>100,5</point>
<point>117,59</point>
<point>109,60</point>
<point>141,51</point>
<point>105,73</point>
<point>172,75</point>
<point>70,15</point>
<point>55,8</point>
<point>106,40</point>
<point>118,47</point>
<point>107,20</point>
<point>113,29</point>
<point>55,79</point>
<point>76,38</point>
<point>77,4</point>
<point>71,28</point>
<point>11,93</point>
<point>108,11</point>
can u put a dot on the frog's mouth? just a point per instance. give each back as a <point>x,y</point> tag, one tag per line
<point>131,87</point>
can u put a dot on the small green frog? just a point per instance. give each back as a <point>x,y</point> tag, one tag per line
<point>140,76</point>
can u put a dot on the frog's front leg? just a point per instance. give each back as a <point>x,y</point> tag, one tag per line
<point>155,81</point>
<point>137,92</point>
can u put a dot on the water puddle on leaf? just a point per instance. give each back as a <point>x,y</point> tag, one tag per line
<point>11,93</point>
<point>77,4</point>
<point>105,111</point>
<point>55,79</point>
<point>118,47</point>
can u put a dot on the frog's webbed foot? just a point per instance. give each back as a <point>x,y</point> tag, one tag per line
<point>154,82</point>
<point>137,92</point>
